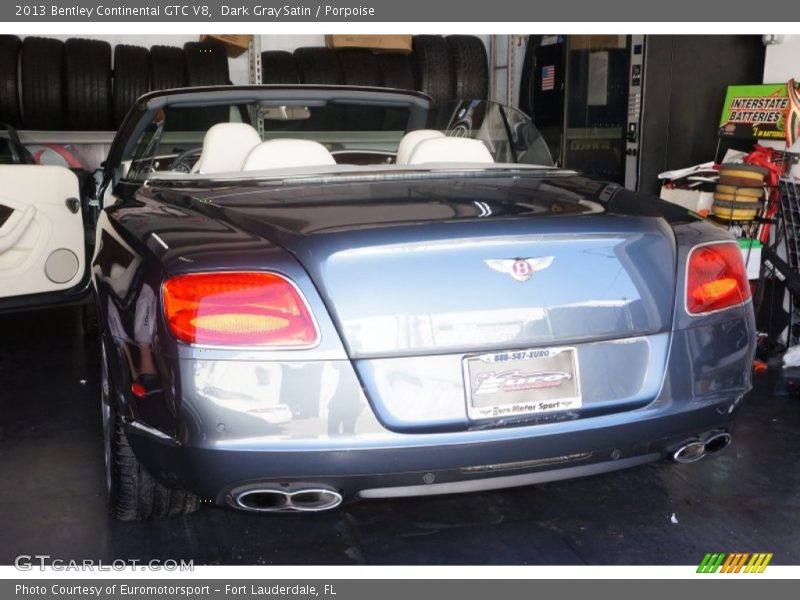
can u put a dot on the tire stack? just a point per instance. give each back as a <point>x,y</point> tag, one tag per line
<point>445,68</point>
<point>739,192</point>
<point>47,84</point>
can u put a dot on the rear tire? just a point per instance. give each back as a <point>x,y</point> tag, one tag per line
<point>131,78</point>
<point>470,66</point>
<point>42,66</point>
<point>434,67</point>
<point>87,68</point>
<point>133,494</point>
<point>9,78</point>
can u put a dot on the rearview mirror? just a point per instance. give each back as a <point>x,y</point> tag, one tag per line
<point>284,113</point>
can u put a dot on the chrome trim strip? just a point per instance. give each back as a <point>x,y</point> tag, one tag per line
<point>153,432</point>
<point>494,483</point>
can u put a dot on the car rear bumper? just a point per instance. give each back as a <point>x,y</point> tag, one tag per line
<point>219,474</point>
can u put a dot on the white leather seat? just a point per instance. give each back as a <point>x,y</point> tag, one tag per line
<point>225,147</point>
<point>410,142</point>
<point>287,153</point>
<point>450,150</point>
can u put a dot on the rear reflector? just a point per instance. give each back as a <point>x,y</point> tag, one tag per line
<point>237,309</point>
<point>716,278</point>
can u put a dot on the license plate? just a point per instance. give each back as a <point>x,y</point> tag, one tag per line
<point>522,382</point>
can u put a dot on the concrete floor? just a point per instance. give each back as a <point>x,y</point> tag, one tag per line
<point>52,491</point>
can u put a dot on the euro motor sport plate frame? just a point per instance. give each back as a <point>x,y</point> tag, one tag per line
<point>522,382</point>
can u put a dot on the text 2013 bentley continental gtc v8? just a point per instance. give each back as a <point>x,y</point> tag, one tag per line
<point>310,295</point>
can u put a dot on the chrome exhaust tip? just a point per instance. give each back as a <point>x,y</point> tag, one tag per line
<point>275,500</point>
<point>718,442</point>
<point>690,451</point>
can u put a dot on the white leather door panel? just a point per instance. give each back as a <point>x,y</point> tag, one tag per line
<point>41,238</point>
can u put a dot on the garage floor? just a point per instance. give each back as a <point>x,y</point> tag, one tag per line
<point>52,497</point>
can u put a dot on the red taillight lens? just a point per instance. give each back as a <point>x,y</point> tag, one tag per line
<point>716,278</point>
<point>237,309</point>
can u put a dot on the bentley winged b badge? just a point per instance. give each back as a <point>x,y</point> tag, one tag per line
<point>521,269</point>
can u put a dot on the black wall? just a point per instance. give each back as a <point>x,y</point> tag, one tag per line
<point>686,77</point>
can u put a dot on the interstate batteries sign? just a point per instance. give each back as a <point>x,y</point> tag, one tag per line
<point>755,112</point>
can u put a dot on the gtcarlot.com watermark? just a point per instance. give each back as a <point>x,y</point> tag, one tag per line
<point>42,562</point>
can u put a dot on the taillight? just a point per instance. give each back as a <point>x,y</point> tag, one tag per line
<point>716,278</point>
<point>237,309</point>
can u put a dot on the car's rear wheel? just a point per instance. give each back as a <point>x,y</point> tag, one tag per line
<point>133,494</point>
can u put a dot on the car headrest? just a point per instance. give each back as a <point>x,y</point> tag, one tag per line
<point>225,147</point>
<point>286,153</point>
<point>410,141</point>
<point>450,150</point>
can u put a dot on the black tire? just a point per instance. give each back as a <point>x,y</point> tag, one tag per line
<point>133,494</point>
<point>206,64</point>
<point>321,66</point>
<point>9,78</point>
<point>278,66</point>
<point>167,68</point>
<point>42,66</point>
<point>397,71</point>
<point>318,66</point>
<point>434,67</point>
<point>87,69</point>
<point>360,67</point>
<point>470,67</point>
<point>131,78</point>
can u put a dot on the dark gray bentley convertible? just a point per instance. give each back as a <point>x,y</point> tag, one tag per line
<point>313,295</point>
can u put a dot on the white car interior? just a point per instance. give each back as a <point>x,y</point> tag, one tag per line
<point>287,153</point>
<point>449,149</point>
<point>410,142</point>
<point>42,239</point>
<point>225,147</point>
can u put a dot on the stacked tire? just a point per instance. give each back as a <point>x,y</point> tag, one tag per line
<point>47,84</point>
<point>444,68</point>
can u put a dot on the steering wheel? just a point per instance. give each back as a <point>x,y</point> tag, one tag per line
<point>184,162</point>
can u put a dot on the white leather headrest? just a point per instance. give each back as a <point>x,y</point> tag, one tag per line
<point>410,141</point>
<point>286,153</point>
<point>450,150</point>
<point>225,147</point>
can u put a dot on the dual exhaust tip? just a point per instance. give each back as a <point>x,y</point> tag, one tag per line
<point>694,449</point>
<point>312,499</point>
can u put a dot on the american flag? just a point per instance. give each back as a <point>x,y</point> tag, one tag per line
<point>548,78</point>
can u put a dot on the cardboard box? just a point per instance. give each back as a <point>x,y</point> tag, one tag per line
<point>689,199</point>
<point>597,42</point>
<point>378,43</point>
<point>235,45</point>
